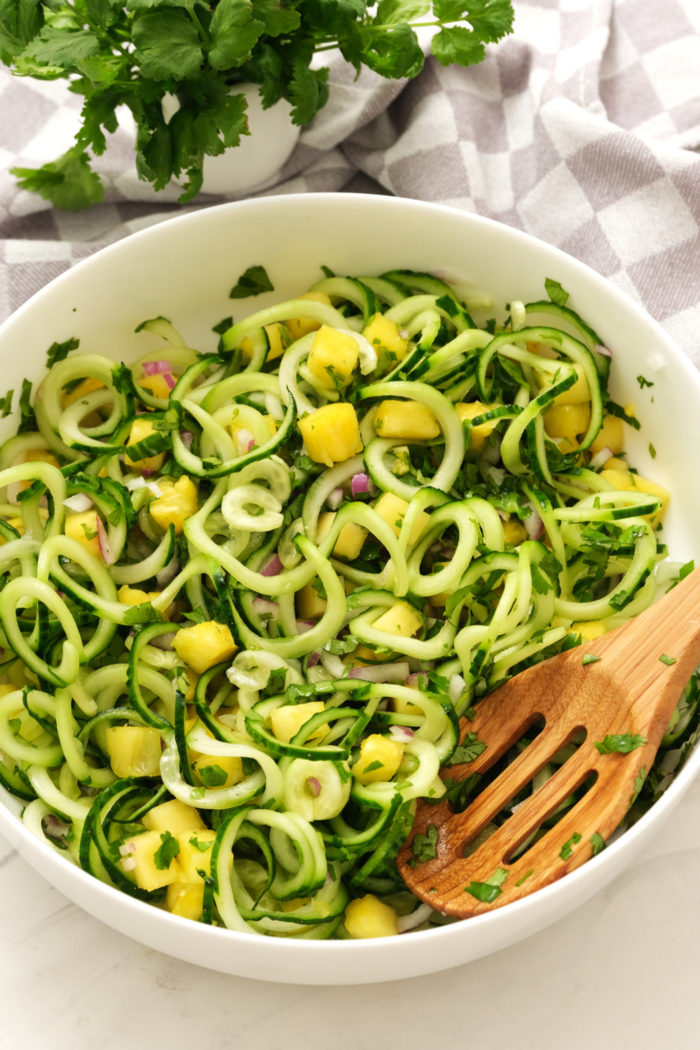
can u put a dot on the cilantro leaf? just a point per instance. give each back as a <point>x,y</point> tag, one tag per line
<point>234,33</point>
<point>254,281</point>
<point>621,743</point>
<point>212,776</point>
<point>457,44</point>
<point>167,851</point>
<point>68,182</point>
<point>597,842</point>
<point>59,351</point>
<point>568,847</point>
<point>167,44</point>
<point>6,404</point>
<point>20,21</point>
<point>470,748</point>
<point>424,846</point>
<point>556,293</point>
<point>491,889</point>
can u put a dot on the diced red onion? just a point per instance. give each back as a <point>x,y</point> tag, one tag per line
<point>168,573</point>
<point>401,733</point>
<point>313,659</point>
<point>79,502</point>
<point>169,380</point>
<point>273,567</point>
<point>313,785</point>
<point>415,918</point>
<point>396,672</point>
<point>456,687</point>
<point>264,605</point>
<point>533,524</point>
<point>604,351</point>
<point>361,484</point>
<point>105,549</point>
<point>154,368</point>
<point>164,641</point>
<point>186,437</point>
<point>304,625</point>
<point>335,498</point>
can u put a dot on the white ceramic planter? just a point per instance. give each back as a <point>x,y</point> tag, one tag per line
<point>260,154</point>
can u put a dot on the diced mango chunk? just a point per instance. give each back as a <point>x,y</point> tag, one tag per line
<point>568,421</point>
<point>468,410</point>
<point>623,479</point>
<point>331,433</point>
<point>588,629</point>
<point>333,356</point>
<point>369,917</point>
<point>386,339</point>
<point>82,526</point>
<point>156,384</point>
<point>143,428</point>
<point>174,816</point>
<point>194,858</point>
<point>85,386</point>
<point>286,721</point>
<point>309,603</point>
<point>514,532</point>
<point>379,759</point>
<point>393,510</point>
<point>576,394</point>
<point>149,858</point>
<point>204,644</point>
<point>134,751</point>
<point>277,341</point>
<point>350,538</point>
<point>178,502</point>
<point>611,435</point>
<point>185,899</point>
<point>217,770</point>
<point>400,619</point>
<point>409,420</point>
<point>299,326</point>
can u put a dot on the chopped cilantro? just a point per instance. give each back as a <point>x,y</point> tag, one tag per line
<point>424,847</point>
<point>212,776</point>
<point>525,877</point>
<point>59,351</point>
<point>6,404</point>
<point>470,748</point>
<point>556,293</point>
<point>665,659</point>
<point>491,889</point>
<point>643,382</point>
<point>622,743</point>
<point>568,847</point>
<point>167,851</point>
<point>254,281</point>
<point>597,842</point>
<point>589,658</point>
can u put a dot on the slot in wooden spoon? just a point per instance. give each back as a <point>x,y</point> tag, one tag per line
<point>626,682</point>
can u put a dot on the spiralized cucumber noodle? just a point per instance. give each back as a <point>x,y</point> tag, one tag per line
<point>247,594</point>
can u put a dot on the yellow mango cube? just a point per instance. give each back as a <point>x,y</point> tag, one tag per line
<point>514,532</point>
<point>576,394</point>
<point>174,816</point>
<point>204,644</point>
<point>178,502</point>
<point>369,917</point>
<point>331,433</point>
<point>401,619</point>
<point>309,603</point>
<point>393,510</point>
<point>85,386</point>
<point>143,428</point>
<point>379,759</point>
<point>217,770</point>
<point>627,480</point>
<point>286,721</point>
<point>149,858</point>
<point>299,326</point>
<point>588,629</point>
<point>156,385</point>
<point>468,410</point>
<point>134,751</point>
<point>333,356</point>
<point>185,899</point>
<point>194,858</point>
<point>350,538</point>
<point>277,341</point>
<point>611,435</point>
<point>410,420</point>
<point>82,526</point>
<point>385,337</point>
<point>568,421</point>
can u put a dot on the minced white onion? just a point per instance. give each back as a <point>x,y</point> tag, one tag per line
<point>78,502</point>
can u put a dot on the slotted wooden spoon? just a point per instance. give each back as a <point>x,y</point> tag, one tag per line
<point>625,682</point>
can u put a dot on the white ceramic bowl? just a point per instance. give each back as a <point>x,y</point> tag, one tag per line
<point>183,269</point>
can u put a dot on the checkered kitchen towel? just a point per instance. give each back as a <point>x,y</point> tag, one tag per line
<point>582,128</point>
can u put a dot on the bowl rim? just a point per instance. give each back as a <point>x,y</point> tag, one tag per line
<point>632,839</point>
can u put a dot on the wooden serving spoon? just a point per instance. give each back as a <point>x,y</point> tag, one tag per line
<point>624,685</point>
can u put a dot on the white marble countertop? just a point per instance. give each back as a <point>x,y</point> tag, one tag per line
<point>616,973</point>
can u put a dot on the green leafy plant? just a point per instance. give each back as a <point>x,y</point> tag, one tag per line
<point>133,54</point>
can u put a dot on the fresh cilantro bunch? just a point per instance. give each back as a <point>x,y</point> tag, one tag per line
<point>132,54</point>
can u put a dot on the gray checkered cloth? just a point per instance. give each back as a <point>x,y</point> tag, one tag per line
<point>582,128</point>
